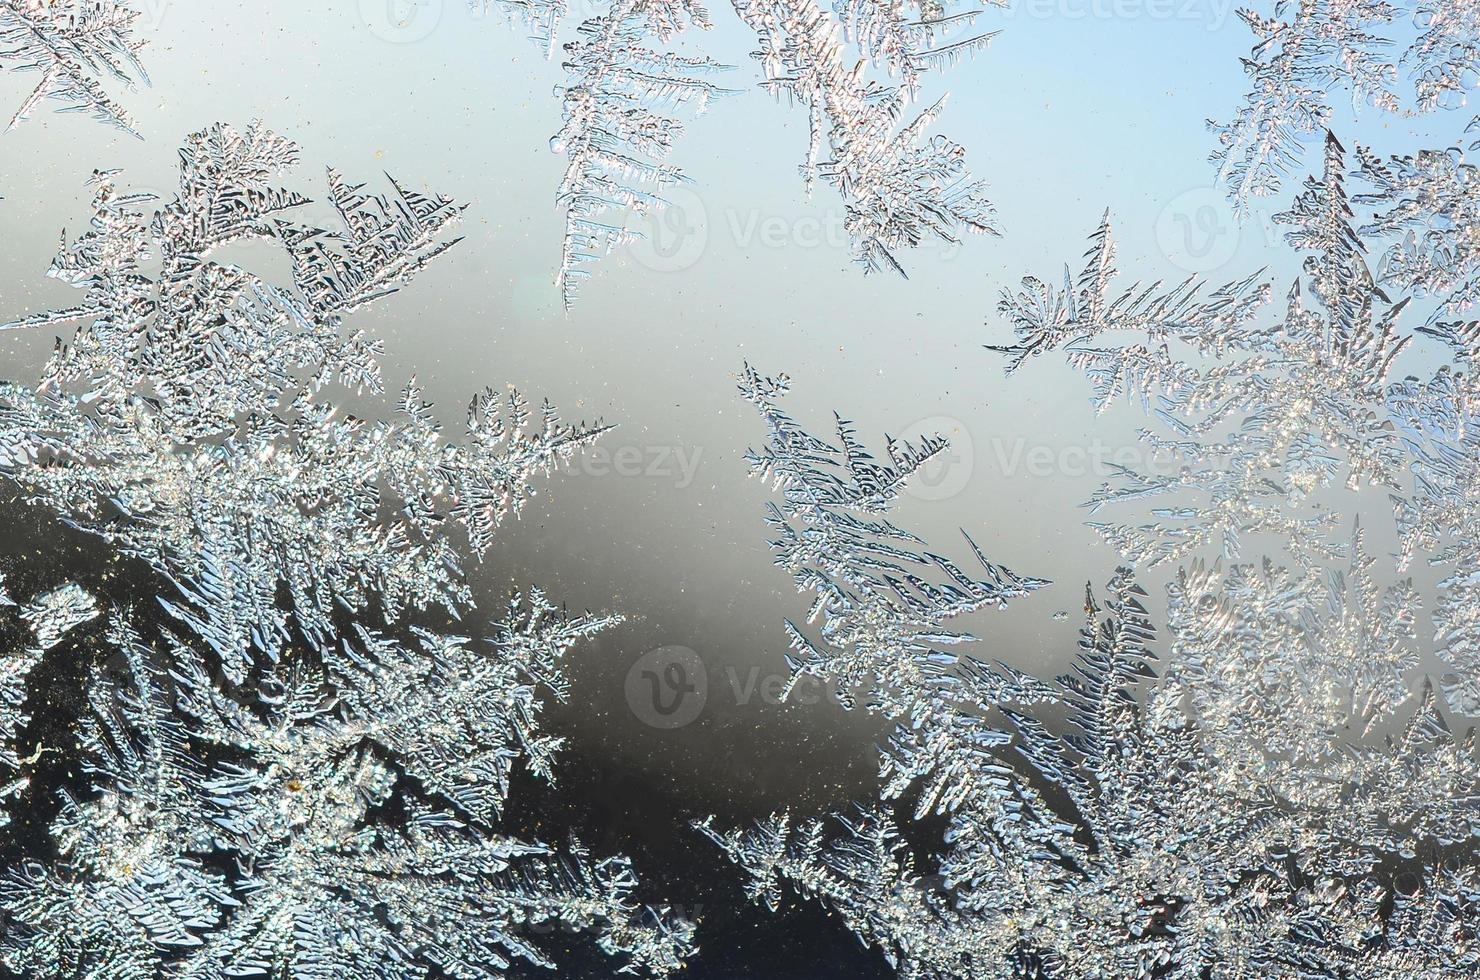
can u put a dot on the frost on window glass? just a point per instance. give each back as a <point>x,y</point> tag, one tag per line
<point>1268,782</point>
<point>872,141</point>
<point>80,49</point>
<point>289,768</point>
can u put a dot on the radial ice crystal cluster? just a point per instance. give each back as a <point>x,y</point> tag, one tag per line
<point>292,767</point>
<point>297,744</point>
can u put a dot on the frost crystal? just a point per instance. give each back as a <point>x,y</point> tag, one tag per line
<point>900,185</point>
<point>614,136</point>
<point>908,38</point>
<point>185,421</point>
<point>882,599</point>
<point>1288,665</point>
<point>1232,818</point>
<point>289,775</point>
<point>1430,204</point>
<point>49,618</point>
<point>1298,670</point>
<point>1281,415</point>
<point>223,840</point>
<point>1280,419</point>
<point>72,44</point>
<point>1440,423</point>
<point>540,17</point>
<point>1307,51</point>
<point>53,615</point>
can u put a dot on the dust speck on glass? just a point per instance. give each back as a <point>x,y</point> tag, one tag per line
<point>279,697</point>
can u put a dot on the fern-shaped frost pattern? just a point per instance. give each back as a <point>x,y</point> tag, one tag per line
<point>287,772</point>
<point>74,45</point>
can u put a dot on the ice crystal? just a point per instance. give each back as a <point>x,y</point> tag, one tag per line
<point>73,45</point>
<point>1439,419</point>
<point>53,614</point>
<point>221,839</point>
<point>908,38</point>
<point>883,601</point>
<point>1305,52</point>
<point>48,618</point>
<point>1155,876</point>
<point>1288,665</point>
<point>1280,415</point>
<point>540,17</point>
<point>900,185</point>
<point>186,420</point>
<point>614,135</point>
<point>1430,203</point>
<point>291,775</point>
<point>1295,670</point>
<point>1122,846</point>
<point>1261,436</point>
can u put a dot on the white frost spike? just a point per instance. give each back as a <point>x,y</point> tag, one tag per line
<point>616,132</point>
<point>1046,316</point>
<point>540,17</point>
<point>459,718</point>
<point>884,601</point>
<point>1149,858</point>
<point>1144,846</point>
<point>899,185</point>
<point>337,818</point>
<point>907,37</point>
<point>220,840</point>
<point>72,44</point>
<point>1275,805</point>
